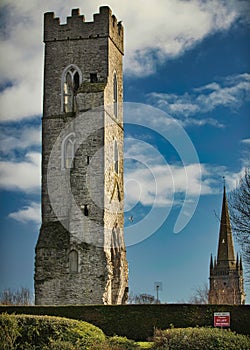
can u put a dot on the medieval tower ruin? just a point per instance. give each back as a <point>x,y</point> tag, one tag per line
<point>80,253</point>
<point>226,272</point>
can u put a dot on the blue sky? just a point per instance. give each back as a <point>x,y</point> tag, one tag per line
<point>187,63</point>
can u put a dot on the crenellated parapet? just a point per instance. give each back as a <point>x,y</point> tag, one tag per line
<point>104,24</point>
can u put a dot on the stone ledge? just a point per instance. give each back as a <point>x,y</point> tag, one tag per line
<point>91,87</point>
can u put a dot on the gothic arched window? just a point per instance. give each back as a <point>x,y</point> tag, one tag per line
<point>115,95</point>
<point>116,157</point>
<point>71,81</point>
<point>68,151</point>
<point>73,261</point>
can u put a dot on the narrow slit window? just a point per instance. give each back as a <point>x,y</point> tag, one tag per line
<point>86,210</point>
<point>116,157</point>
<point>93,77</point>
<point>73,261</point>
<point>115,95</point>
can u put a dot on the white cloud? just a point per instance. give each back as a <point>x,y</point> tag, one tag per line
<point>151,181</point>
<point>154,32</point>
<point>230,93</point>
<point>168,28</point>
<point>14,138</point>
<point>20,101</point>
<point>30,213</point>
<point>246,141</point>
<point>23,175</point>
<point>166,185</point>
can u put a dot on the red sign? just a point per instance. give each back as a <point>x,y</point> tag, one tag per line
<point>222,319</point>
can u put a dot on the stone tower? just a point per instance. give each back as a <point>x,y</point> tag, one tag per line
<point>226,272</point>
<point>80,253</point>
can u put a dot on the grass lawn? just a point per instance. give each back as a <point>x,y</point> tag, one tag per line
<point>145,344</point>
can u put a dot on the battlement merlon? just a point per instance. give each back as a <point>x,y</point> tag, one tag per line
<point>104,25</point>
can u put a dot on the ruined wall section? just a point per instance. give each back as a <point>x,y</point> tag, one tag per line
<point>114,181</point>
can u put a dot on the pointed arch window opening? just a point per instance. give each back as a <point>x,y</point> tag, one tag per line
<point>68,151</point>
<point>115,95</point>
<point>71,81</point>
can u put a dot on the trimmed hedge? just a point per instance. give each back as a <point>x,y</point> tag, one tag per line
<point>26,332</point>
<point>47,332</point>
<point>139,321</point>
<point>200,338</point>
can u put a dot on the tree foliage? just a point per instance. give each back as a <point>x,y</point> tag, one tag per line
<point>239,206</point>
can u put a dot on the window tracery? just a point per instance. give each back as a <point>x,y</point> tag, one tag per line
<point>71,81</point>
<point>68,151</point>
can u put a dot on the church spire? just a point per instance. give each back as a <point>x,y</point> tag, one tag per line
<point>226,273</point>
<point>225,254</point>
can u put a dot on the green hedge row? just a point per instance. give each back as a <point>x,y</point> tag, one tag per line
<point>199,338</point>
<point>139,321</point>
<point>45,332</point>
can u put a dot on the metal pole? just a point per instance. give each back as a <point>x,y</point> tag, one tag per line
<point>157,294</point>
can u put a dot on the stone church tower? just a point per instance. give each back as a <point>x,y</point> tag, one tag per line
<point>80,253</point>
<point>226,272</point>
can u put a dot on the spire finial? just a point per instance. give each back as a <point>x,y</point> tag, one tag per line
<point>224,181</point>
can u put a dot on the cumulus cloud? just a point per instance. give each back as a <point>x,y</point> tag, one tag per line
<point>21,175</point>
<point>166,29</point>
<point>159,184</point>
<point>151,181</point>
<point>29,213</point>
<point>15,139</point>
<point>154,32</point>
<point>166,185</point>
<point>230,93</point>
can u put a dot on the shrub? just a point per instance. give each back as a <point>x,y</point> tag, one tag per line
<point>122,343</point>
<point>200,338</point>
<point>9,331</point>
<point>48,332</point>
<point>116,343</point>
<point>60,345</point>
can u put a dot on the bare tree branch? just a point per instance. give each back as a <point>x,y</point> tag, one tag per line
<point>20,296</point>
<point>200,295</point>
<point>142,299</point>
<point>239,206</point>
